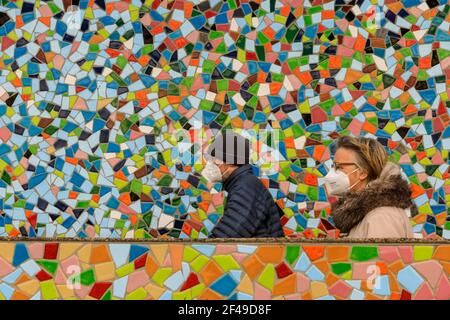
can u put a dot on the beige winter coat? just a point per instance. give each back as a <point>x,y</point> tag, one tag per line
<point>381,210</point>
<point>383,222</point>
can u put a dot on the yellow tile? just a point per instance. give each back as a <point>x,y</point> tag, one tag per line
<point>65,292</point>
<point>104,271</point>
<point>85,266</point>
<point>30,287</point>
<point>7,251</point>
<point>85,253</point>
<point>246,285</point>
<point>160,252</point>
<point>67,249</point>
<point>155,291</point>
<point>318,289</point>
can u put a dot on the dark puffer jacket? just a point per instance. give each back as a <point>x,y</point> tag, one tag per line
<point>250,210</point>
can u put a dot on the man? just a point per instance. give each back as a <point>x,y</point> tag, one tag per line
<point>250,210</point>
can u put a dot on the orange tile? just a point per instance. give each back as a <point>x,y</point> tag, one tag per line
<point>395,296</point>
<point>208,294</point>
<point>446,266</point>
<point>252,266</point>
<point>323,266</point>
<point>17,295</point>
<point>270,253</point>
<point>396,266</point>
<point>314,252</point>
<point>285,286</point>
<point>383,267</point>
<point>337,253</point>
<point>210,272</point>
<point>100,254</point>
<point>23,278</point>
<point>330,279</point>
<point>393,284</point>
<point>370,296</point>
<point>307,296</point>
<point>176,255</point>
<point>151,266</point>
<point>442,253</point>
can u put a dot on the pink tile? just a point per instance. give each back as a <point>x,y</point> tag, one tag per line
<point>5,134</point>
<point>443,288</point>
<point>81,291</point>
<point>36,250</point>
<point>262,293</point>
<point>137,279</point>
<point>295,296</point>
<point>430,269</point>
<point>406,253</point>
<point>217,199</point>
<point>239,257</point>
<point>167,261</point>
<point>388,253</point>
<point>302,283</point>
<point>424,293</point>
<point>60,278</point>
<point>5,267</point>
<point>225,249</point>
<point>361,270</point>
<point>71,265</point>
<point>340,289</point>
<point>355,127</point>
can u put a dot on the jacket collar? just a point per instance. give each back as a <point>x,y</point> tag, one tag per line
<point>234,177</point>
<point>389,190</point>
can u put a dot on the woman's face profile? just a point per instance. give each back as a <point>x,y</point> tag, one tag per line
<point>345,161</point>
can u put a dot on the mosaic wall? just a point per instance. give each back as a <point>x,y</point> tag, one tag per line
<point>91,92</point>
<point>77,270</point>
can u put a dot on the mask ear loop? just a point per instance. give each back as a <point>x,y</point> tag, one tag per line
<point>356,183</point>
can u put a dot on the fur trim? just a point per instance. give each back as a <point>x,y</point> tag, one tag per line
<point>390,190</point>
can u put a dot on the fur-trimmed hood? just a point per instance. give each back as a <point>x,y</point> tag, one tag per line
<point>389,190</point>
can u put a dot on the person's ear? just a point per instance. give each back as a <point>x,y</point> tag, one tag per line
<point>362,175</point>
<point>223,167</point>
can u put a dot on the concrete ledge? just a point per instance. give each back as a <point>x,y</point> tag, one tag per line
<point>224,269</point>
<point>387,241</point>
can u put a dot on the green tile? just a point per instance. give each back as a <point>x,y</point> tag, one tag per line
<point>161,275</point>
<point>199,263</point>
<point>49,266</point>
<point>87,277</point>
<point>189,254</point>
<point>341,267</point>
<point>48,290</point>
<point>423,253</point>
<point>137,294</point>
<point>292,253</point>
<point>363,253</point>
<point>226,262</point>
<point>267,277</point>
<point>125,269</point>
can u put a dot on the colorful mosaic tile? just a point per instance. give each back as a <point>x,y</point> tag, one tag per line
<point>92,93</point>
<point>165,271</point>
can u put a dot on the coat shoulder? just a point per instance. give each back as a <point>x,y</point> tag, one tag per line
<point>384,222</point>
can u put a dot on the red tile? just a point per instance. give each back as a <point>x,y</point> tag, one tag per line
<point>51,251</point>
<point>99,289</point>
<point>282,270</point>
<point>191,281</point>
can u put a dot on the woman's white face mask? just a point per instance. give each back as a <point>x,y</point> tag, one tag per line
<point>212,172</point>
<point>338,183</point>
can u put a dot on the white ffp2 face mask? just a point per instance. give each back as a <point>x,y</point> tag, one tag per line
<point>338,183</point>
<point>212,172</point>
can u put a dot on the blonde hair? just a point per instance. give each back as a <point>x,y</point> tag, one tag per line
<point>370,154</point>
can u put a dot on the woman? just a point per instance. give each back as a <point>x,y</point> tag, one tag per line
<point>374,201</point>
